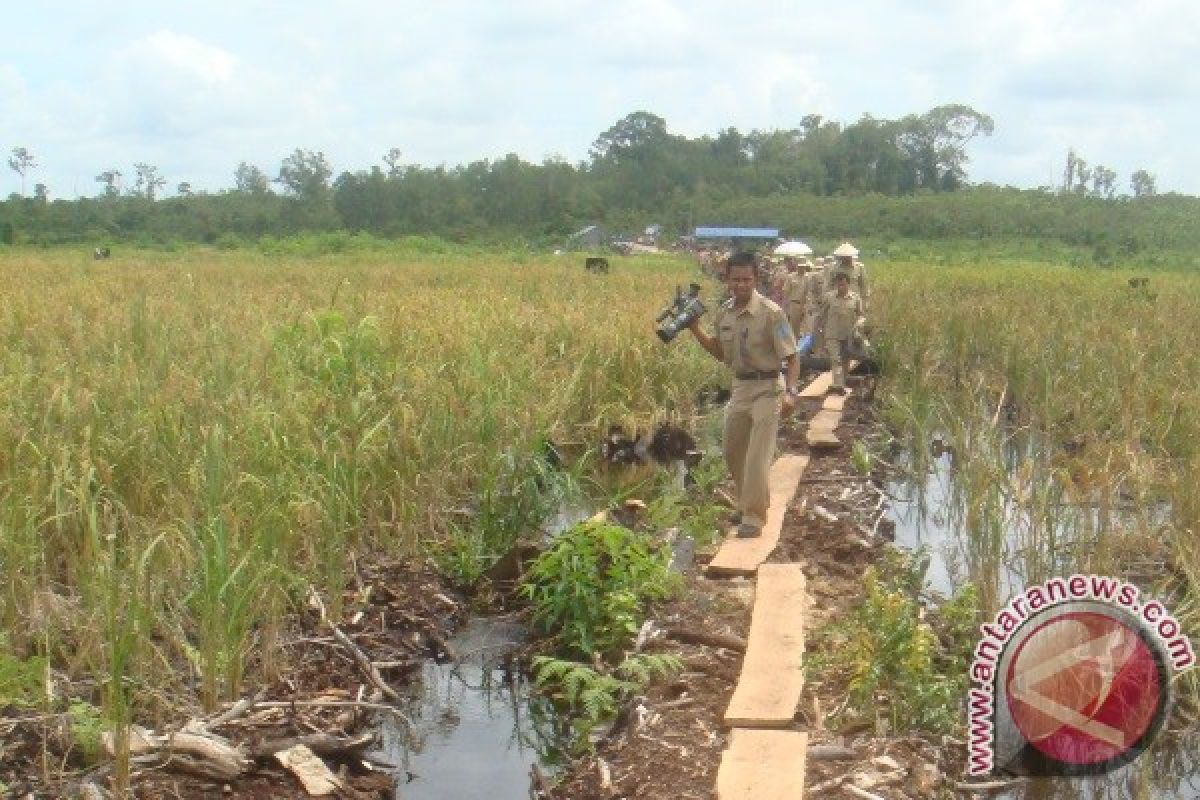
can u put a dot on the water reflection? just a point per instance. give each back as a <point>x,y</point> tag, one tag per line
<point>1001,520</point>
<point>477,726</point>
<point>1168,770</point>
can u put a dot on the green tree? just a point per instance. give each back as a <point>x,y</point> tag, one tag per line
<point>936,142</point>
<point>305,174</point>
<point>1143,184</point>
<point>111,179</point>
<point>20,162</point>
<point>633,136</point>
<point>391,160</point>
<point>148,182</point>
<point>250,179</point>
<point>1104,182</point>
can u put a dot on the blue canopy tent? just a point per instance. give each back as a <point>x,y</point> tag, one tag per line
<point>737,233</point>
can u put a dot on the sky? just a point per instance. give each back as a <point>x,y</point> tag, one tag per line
<point>195,88</point>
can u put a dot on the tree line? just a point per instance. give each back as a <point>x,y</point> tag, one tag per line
<point>636,172</point>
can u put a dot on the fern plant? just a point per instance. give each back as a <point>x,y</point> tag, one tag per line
<point>593,696</point>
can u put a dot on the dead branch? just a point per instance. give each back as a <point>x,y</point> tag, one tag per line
<point>726,641</point>
<point>988,786</point>
<point>320,743</point>
<point>861,793</point>
<point>360,658</point>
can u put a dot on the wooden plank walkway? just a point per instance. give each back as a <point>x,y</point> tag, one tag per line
<point>764,761</point>
<point>769,687</point>
<point>742,556</point>
<point>763,765</point>
<point>821,427</point>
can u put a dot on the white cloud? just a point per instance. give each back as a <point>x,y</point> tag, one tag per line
<point>184,55</point>
<point>196,90</point>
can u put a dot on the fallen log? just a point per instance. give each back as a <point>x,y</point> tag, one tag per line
<point>830,752</point>
<point>722,640</point>
<point>205,756</point>
<point>321,744</point>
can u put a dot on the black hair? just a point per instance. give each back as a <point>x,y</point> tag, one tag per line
<point>742,259</point>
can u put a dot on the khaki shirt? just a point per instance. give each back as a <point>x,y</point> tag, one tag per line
<point>755,339</point>
<point>841,315</point>
<point>803,294</point>
<point>858,280</point>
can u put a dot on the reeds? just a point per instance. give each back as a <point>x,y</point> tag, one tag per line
<point>1071,405</point>
<point>185,439</point>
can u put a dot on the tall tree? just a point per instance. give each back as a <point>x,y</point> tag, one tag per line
<point>250,179</point>
<point>149,181</point>
<point>20,162</point>
<point>391,160</point>
<point>111,178</point>
<point>41,193</point>
<point>1104,182</point>
<point>631,137</point>
<point>1143,184</point>
<point>306,174</point>
<point>937,140</point>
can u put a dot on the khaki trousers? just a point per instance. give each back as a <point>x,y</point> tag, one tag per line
<point>751,423</point>
<point>838,351</point>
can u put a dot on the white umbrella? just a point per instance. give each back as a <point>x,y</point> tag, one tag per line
<point>793,249</point>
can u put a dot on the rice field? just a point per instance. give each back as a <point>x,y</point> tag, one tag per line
<point>188,441</point>
<point>1069,402</point>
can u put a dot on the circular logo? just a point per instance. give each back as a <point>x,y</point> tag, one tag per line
<point>1087,689</point>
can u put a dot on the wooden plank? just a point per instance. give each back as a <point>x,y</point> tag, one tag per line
<point>768,689</point>
<point>819,386</point>
<point>823,440</point>
<point>835,402</point>
<point>825,420</point>
<point>742,556</point>
<point>763,765</point>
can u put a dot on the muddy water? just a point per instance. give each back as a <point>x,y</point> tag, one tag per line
<point>925,519</point>
<point>477,727</point>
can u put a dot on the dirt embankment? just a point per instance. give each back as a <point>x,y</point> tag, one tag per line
<point>395,614</point>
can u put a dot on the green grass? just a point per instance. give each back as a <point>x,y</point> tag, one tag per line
<point>1071,402</point>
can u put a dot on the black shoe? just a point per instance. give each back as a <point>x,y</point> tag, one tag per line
<point>748,530</point>
<point>735,517</point>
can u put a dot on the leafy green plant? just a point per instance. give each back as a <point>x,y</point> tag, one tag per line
<point>590,587</point>
<point>593,696</point>
<point>860,457</point>
<point>87,729</point>
<point>21,680</point>
<point>888,652</point>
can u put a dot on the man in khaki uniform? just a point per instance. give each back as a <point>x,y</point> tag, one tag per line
<point>753,338</point>
<point>842,323</point>
<point>847,261</point>
<point>802,297</point>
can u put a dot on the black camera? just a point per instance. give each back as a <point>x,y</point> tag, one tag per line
<point>676,317</point>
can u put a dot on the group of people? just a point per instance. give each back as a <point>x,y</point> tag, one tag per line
<point>754,335</point>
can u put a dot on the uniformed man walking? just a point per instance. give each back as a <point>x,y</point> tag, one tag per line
<point>842,324</point>
<point>802,297</point>
<point>753,338</point>
<point>847,261</point>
